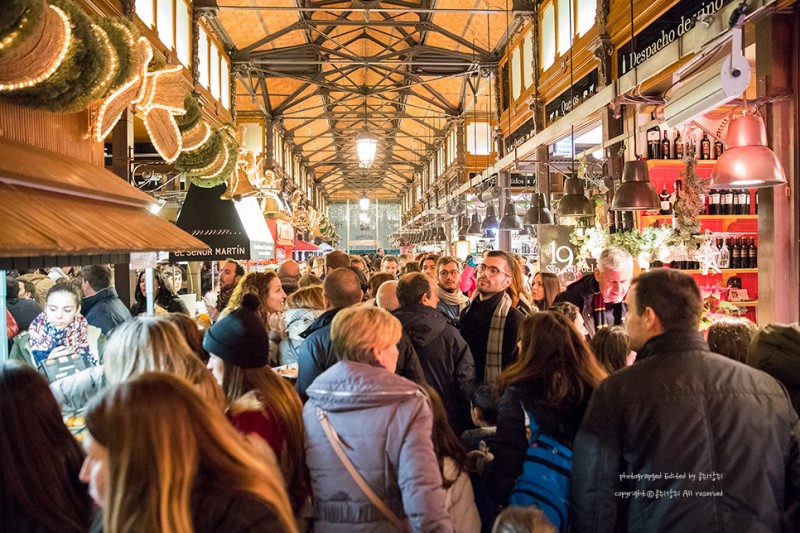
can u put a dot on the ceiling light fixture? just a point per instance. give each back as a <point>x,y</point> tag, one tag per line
<point>363,202</point>
<point>366,143</point>
<point>748,161</point>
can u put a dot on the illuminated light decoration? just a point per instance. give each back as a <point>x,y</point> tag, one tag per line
<point>196,137</point>
<point>8,41</point>
<point>367,146</point>
<point>112,65</point>
<point>56,29</point>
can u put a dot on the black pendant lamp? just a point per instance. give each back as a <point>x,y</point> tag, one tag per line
<point>636,192</point>
<point>475,226</point>
<point>538,213</point>
<point>463,227</point>
<point>574,202</point>
<point>511,221</point>
<point>490,220</point>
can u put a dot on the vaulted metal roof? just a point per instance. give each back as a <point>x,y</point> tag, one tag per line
<point>329,68</point>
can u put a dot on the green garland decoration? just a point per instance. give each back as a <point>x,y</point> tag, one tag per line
<point>688,206</point>
<point>229,141</point>
<point>190,162</point>
<point>69,89</point>
<point>193,114</point>
<point>18,19</point>
<point>118,29</point>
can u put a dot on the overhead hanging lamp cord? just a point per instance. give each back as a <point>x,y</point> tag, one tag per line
<point>635,83</point>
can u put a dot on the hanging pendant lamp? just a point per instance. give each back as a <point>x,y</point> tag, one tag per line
<point>538,213</point>
<point>490,220</point>
<point>574,202</point>
<point>636,192</point>
<point>463,227</point>
<point>511,221</point>
<point>475,226</point>
<point>748,162</point>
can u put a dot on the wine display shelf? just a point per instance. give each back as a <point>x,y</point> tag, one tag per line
<point>723,271</point>
<point>655,163</point>
<point>651,218</point>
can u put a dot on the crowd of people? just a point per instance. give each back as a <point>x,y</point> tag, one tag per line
<point>395,393</point>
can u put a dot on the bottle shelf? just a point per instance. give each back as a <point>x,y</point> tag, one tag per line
<point>703,217</point>
<point>748,303</point>
<point>656,163</point>
<point>724,271</point>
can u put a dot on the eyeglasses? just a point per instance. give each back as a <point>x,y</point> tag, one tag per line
<point>492,270</point>
<point>448,273</point>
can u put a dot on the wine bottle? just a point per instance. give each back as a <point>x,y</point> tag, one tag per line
<point>719,148</point>
<point>736,210</point>
<point>678,144</point>
<point>756,208</point>
<point>666,207</point>
<point>713,202</point>
<point>611,222</point>
<point>705,147</point>
<point>654,141</point>
<point>724,255</point>
<point>752,254</point>
<point>727,202</point>
<point>665,146</point>
<point>747,202</point>
<point>743,196</point>
<point>736,254</point>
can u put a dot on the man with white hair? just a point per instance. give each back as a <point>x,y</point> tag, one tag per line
<point>600,297</point>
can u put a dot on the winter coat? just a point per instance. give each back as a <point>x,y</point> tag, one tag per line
<point>105,310</point>
<point>460,499</point>
<point>581,293</point>
<point>74,392</point>
<point>316,354</point>
<point>510,443</point>
<point>21,351</point>
<point>250,416</point>
<point>295,321</point>
<point>385,423</point>
<point>12,328</point>
<point>171,303</point>
<point>776,350</point>
<point>445,359</point>
<point>474,326</point>
<point>24,311</point>
<point>721,437</point>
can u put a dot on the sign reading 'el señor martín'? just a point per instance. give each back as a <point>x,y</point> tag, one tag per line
<point>566,101</point>
<point>679,19</point>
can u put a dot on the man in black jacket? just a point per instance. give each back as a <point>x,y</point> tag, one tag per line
<point>443,353</point>
<point>685,439</point>
<point>600,297</point>
<point>101,305</point>
<point>341,288</point>
<point>490,323</point>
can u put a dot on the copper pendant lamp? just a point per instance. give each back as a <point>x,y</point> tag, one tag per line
<point>748,162</point>
<point>636,192</point>
<point>574,202</point>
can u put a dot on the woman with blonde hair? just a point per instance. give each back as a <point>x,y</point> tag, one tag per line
<point>386,424</point>
<point>143,344</point>
<point>160,459</point>
<point>260,403</point>
<point>520,297</point>
<point>267,287</point>
<point>302,308</point>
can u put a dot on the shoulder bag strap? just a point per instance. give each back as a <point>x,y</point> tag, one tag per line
<point>368,492</point>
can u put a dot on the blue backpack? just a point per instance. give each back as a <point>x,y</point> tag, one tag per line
<point>544,482</point>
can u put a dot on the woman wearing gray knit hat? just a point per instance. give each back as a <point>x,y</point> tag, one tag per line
<point>260,403</point>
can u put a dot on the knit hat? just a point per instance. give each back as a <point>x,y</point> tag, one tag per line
<point>240,338</point>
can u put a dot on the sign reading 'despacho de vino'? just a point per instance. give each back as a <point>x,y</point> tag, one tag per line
<point>679,19</point>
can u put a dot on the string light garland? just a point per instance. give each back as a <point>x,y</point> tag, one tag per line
<point>18,20</point>
<point>196,137</point>
<point>50,47</point>
<point>192,116</point>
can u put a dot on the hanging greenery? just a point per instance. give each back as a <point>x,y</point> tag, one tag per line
<point>18,20</point>
<point>122,35</point>
<point>688,205</point>
<point>69,89</point>
<point>212,163</point>
<point>190,162</point>
<point>655,242</point>
<point>193,114</point>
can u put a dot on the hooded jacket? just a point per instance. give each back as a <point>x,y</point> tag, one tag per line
<point>776,350</point>
<point>385,423</point>
<point>295,321</point>
<point>316,354</point>
<point>445,358</point>
<point>720,440</point>
<point>105,310</point>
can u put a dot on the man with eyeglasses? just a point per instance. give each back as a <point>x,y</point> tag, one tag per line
<point>490,323</point>
<point>451,300</point>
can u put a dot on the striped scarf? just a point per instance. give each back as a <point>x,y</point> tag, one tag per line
<point>44,337</point>
<point>494,344</point>
<point>599,309</point>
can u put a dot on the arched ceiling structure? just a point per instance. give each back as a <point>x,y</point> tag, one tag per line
<point>330,68</point>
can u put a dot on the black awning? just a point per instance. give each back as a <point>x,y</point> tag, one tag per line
<point>231,230</point>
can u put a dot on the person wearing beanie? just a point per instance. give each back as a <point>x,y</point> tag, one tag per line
<point>260,404</point>
<point>776,350</point>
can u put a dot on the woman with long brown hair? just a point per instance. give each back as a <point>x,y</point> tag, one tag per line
<point>551,382</point>
<point>260,402</point>
<point>544,290</point>
<point>39,486</point>
<point>159,458</point>
<point>520,297</point>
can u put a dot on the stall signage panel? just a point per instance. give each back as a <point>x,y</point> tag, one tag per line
<point>566,101</point>
<point>559,256</point>
<point>679,19</point>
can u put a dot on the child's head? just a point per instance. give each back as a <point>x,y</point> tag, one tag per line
<point>63,303</point>
<point>612,348</point>
<point>522,520</point>
<point>484,406</point>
